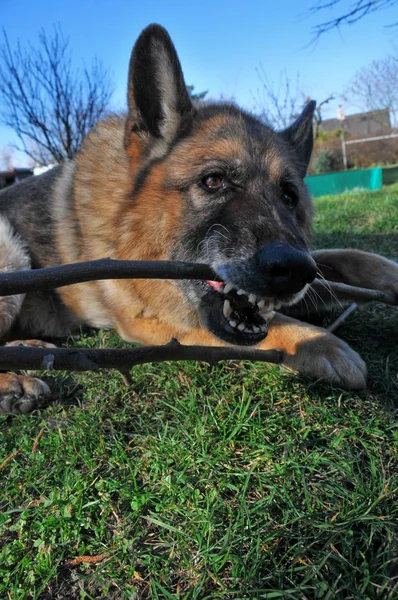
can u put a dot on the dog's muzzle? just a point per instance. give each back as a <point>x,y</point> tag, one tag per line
<point>238,311</point>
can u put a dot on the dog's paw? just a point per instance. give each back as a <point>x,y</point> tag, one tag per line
<point>22,394</point>
<point>329,358</point>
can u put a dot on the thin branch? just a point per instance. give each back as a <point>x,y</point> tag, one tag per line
<point>88,359</point>
<point>343,317</point>
<point>347,293</point>
<point>357,10</point>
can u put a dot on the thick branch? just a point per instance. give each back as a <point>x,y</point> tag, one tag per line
<point>88,359</point>
<point>106,268</point>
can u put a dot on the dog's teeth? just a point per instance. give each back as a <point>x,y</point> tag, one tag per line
<point>267,308</point>
<point>256,329</point>
<point>278,305</point>
<point>241,326</point>
<point>232,323</point>
<point>227,310</point>
<point>252,298</point>
<point>241,292</point>
<point>228,288</point>
<point>263,328</point>
<point>261,304</point>
<point>268,316</point>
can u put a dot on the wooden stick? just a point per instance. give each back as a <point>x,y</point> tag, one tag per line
<point>10,457</point>
<point>18,282</point>
<point>340,320</point>
<point>106,268</point>
<point>88,359</point>
<point>330,290</point>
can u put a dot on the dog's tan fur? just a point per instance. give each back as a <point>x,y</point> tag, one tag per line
<point>97,209</point>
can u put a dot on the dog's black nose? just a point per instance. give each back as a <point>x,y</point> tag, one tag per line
<point>286,269</point>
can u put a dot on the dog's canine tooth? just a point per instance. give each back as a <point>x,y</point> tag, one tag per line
<point>241,292</point>
<point>268,307</point>
<point>232,323</point>
<point>268,316</point>
<point>256,329</point>
<point>252,298</point>
<point>228,288</point>
<point>261,304</point>
<point>227,310</point>
<point>241,327</point>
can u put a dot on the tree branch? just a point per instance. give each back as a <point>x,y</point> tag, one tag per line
<point>330,291</point>
<point>88,359</point>
<point>357,10</point>
<point>19,282</point>
<point>104,268</point>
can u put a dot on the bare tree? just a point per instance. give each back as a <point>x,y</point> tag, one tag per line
<point>318,117</point>
<point>50,106</point>
<point>280,105</point>
<point>356,11</point>
<point>277,104</point>
<point>376,86</point>
<point>6,158</point>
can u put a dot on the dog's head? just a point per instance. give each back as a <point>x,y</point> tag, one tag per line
<point>221,188</point>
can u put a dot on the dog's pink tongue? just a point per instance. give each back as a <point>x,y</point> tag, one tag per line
<point>216,285</point>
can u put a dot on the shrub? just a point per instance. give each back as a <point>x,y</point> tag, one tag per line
<point>325,161</point>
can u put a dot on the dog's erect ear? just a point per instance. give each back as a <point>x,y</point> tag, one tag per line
<point>157,96</point>
<point>301,136</point>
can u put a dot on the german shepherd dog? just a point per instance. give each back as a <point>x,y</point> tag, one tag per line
<point>171,181</point>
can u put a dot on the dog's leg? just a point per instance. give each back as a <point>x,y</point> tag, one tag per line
<point>18,393</point>
<point>307,349</point>
<point>316,352</point>
<point>360,269</point>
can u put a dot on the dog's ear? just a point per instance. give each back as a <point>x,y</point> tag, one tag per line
<point>158,100</point>
<point>300,136</point>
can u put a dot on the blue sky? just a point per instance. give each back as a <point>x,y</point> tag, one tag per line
<point>220,43</point>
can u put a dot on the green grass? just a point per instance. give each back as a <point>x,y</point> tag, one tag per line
<point>233,482</point>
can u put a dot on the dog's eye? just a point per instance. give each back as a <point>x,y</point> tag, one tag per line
<point>290,198</point>
<point>213,182</point>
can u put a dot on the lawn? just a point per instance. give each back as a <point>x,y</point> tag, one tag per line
<point>234,481</point>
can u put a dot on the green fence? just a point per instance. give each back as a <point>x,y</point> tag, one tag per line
<point>390,175</point>
<point>337,183</point>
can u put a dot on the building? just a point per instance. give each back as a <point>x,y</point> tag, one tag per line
<point>361,124</point>
<point>13,176</point>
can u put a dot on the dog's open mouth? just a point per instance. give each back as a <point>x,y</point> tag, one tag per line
<point>234,315</point>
